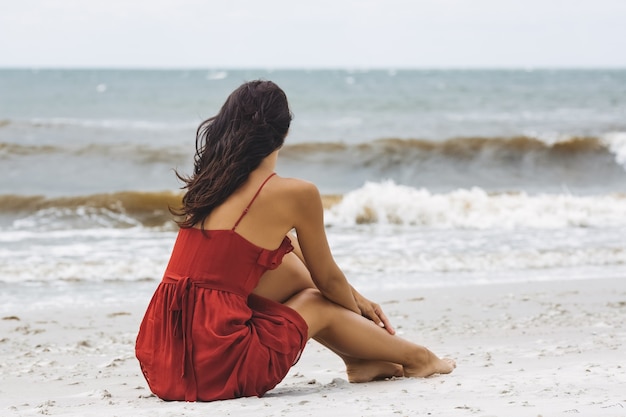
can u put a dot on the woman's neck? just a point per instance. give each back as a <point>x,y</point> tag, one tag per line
<point>269,162</point>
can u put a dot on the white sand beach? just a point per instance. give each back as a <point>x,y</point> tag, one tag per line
<point>528,349</point>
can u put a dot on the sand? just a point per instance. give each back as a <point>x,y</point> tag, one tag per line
<point>527,349</point>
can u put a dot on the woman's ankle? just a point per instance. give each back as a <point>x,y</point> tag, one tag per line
<point>422,364</point>
<point>366,371</point>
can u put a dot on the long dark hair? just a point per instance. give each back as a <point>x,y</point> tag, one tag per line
<point>252,123</point>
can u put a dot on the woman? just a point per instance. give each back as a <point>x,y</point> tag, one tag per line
<point>240,298</point>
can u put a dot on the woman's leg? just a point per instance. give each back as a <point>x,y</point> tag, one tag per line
<point>363,370</point>
<point>287,283</point>
<point>291,278</point>
<point>358,338</point>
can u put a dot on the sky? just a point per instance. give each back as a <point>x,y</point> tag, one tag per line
<point>313,33</point>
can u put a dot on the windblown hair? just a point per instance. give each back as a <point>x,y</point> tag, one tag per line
<point>252,123</point>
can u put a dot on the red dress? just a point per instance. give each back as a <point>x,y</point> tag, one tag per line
<point>204,336</point>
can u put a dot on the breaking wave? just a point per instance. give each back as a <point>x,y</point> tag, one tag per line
<point>110,210</point>
<point>374,203</point>
<point>115,210</point>
<point>515,152</point>
<point>389,203</point>
<point>519,151</point>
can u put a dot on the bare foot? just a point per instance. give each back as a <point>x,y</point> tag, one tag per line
<point>428,364</point>
<point>366,371</point>
<point>447,365</point>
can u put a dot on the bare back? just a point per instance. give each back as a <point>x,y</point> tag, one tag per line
<point>258,211</point>
<point>282,204</point>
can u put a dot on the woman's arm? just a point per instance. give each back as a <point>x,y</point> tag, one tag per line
<point>368,308</point>
<point>372,311</point>
<point>309,224</point>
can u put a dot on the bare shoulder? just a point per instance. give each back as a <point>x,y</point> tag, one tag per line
<point>301,205</point>
<point>300,198</point>
<point>298,188</point>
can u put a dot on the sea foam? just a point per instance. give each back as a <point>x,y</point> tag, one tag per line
<point>616,142</point>
<point>389,203</point>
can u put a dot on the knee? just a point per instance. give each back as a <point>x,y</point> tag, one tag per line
<point>314,309</point>
<point>309,299</point>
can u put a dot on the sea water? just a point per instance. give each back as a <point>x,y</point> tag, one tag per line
<point>446,177</point>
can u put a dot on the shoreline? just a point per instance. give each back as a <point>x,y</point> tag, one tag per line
<point>530,348</point>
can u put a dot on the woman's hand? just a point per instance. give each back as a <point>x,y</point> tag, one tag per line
<point>372,311</point>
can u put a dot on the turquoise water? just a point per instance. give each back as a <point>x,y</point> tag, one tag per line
<point>329,105</point>
<point>448,177</point>
<point>112,130</point>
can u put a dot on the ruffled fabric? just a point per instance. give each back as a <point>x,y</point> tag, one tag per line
<point>272,259</point>
<point>205,336</point>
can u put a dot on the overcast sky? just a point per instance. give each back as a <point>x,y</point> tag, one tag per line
<point>313,33</point>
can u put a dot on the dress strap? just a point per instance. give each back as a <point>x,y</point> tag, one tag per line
<point>245,211</point>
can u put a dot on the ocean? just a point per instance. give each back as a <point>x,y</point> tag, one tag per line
<point>443,177</point>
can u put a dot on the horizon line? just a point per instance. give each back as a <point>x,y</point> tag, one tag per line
<point>309,68</point>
